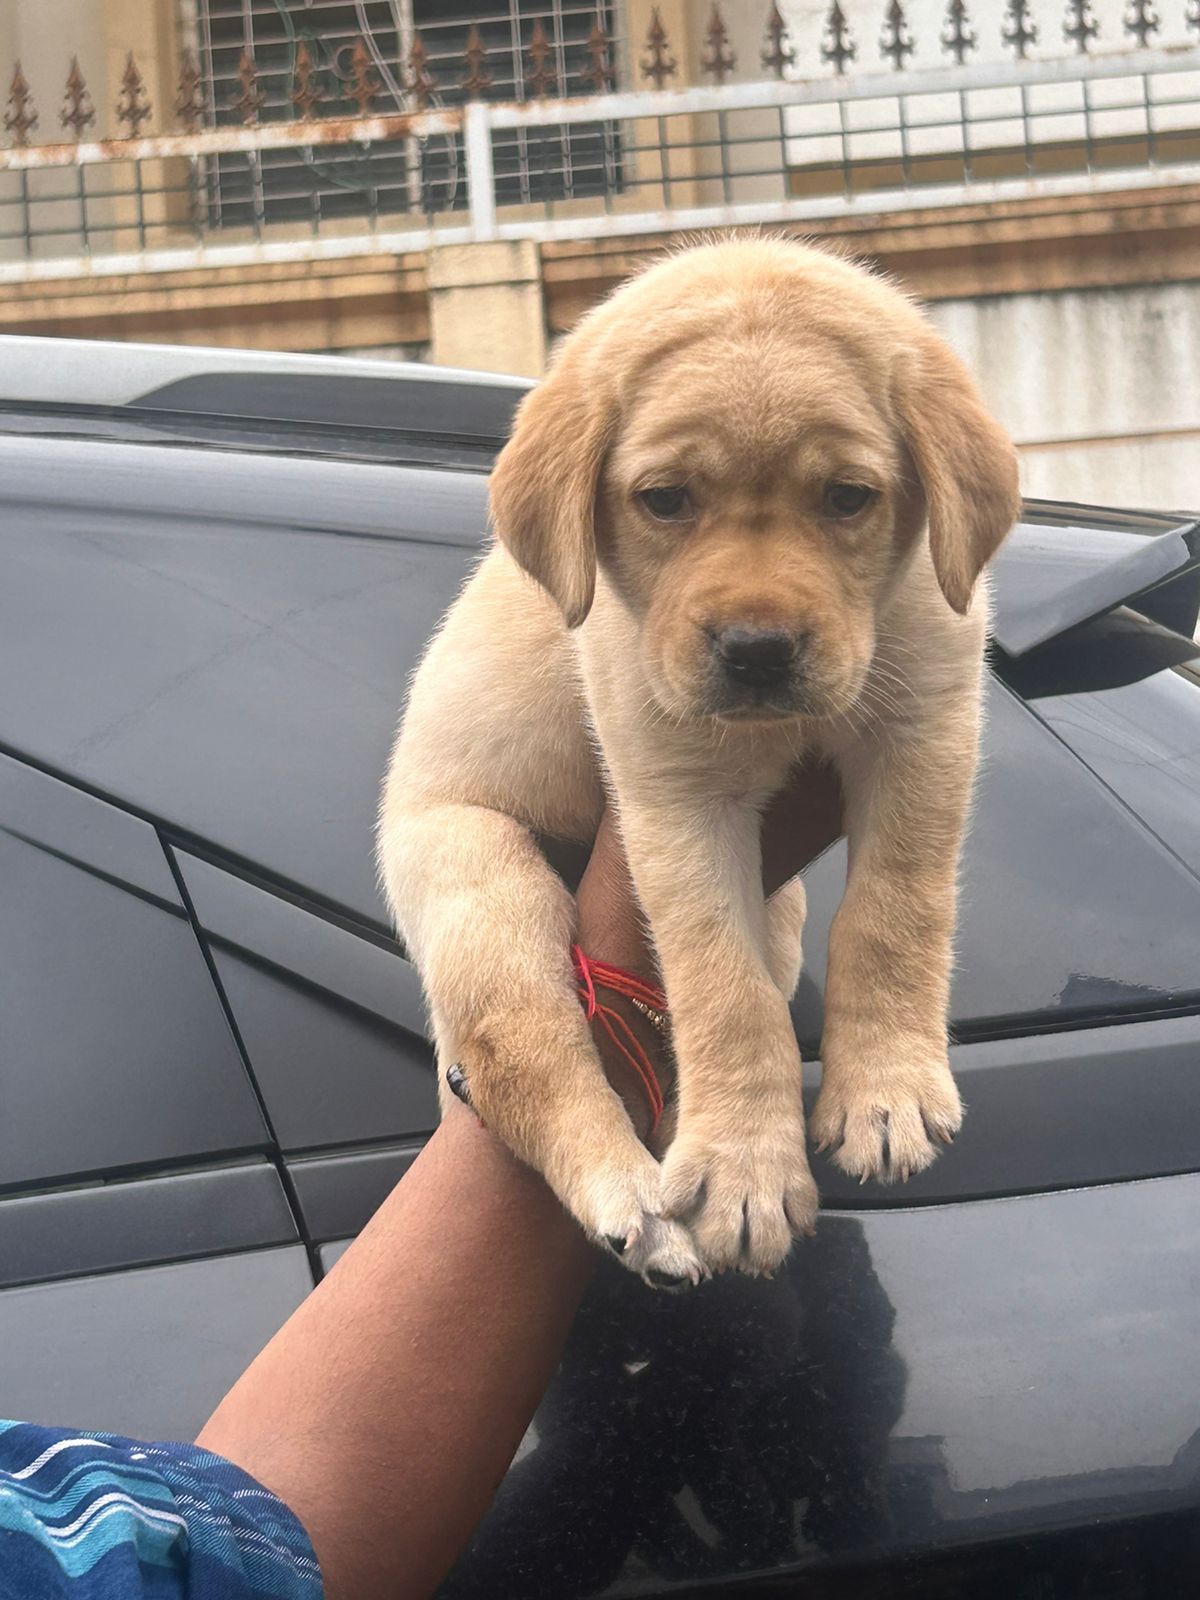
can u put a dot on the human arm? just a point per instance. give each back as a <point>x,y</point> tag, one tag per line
<point>386,1410</point>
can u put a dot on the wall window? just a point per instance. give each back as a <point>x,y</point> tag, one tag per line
<point>544,165</point>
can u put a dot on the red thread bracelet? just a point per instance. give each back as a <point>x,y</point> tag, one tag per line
<point>593,975</point>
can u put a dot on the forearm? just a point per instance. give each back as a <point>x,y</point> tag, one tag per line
<point>386,1411</point>
<point>388,1407</point>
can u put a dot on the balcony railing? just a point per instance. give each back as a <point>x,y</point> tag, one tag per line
<point>789,148</point>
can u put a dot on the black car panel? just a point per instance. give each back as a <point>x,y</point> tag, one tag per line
<point>1069,909</point>
<point>172,503</point>
<point>915,1381</point>
<point>1143,741</point>
<point>463,410</point>
<point>332,1023</point>
<point>1049,579</point>
<point>1109,652</point>
<point>329,1073</point>
<point>148,1352</point>
<point>191,652</point>
<point>952,1377</point>
<point>936,1397</point>
<point>1046,1111</point>
<point>239,678</point>
<point>330,1254</point>
<point>338,1194</point>
<point>116,1052</point>
<point>1039,939</point>
<point>172,1217</point>
<point>78,829</point>
<point>241,917</point>
<point>1055,1110</point>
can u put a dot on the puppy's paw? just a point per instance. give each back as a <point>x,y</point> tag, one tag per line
<point>745,1198</point>
<point>665,1255</point>
<point>622,1209</point>
<point>887,1122</point>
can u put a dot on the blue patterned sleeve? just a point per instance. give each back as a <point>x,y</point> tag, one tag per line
<point>99,1517</point>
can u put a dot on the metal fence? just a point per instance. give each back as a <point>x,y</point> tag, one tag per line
<point>788,148</point>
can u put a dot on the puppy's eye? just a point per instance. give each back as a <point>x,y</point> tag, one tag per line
<point>666,504</point>
<point>848,499</point>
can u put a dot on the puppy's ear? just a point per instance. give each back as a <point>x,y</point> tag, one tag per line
<point>544,486</point>
<point>966,463</point>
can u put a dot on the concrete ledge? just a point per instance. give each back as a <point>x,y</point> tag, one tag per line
<point>317,305</point>
<point>479,266</point>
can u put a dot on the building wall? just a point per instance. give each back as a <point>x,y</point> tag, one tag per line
<point>1100,388</point>
<point>1083,329</point>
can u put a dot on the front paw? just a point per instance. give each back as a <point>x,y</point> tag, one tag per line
<point>744,1194</point>
<point>620,1206</point>
<point>886,1117</point>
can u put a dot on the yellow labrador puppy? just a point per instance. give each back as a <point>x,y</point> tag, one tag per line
<point>754,494</point>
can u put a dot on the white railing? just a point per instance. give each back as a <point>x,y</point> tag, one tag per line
<point>632,162</point>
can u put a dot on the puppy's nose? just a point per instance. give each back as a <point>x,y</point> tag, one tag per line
<point>759,658</point>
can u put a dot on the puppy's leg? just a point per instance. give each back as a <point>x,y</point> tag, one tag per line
<point>887,1098</point>
<point>737,1170</point>
<point>490,926</point>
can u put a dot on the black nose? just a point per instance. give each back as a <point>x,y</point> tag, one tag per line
<point>758,658</point>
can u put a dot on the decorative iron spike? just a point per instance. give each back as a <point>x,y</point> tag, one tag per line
<point>958,37</point>
<point>779,56</point>
<point>307,92</point>
<point>77,112</point>
<point>189,102</point>
<point>895,42</point>
<point>478,77</point>
<point>1079,25</point>
<point>836,44</point>
<point>542,78</point>
<point>251,100</point>
<point>600,73</point>
<point>422,84</point>
<point>1141,21</point>
<point>717,57</point>
<point>133,106</point>
<point>1019,30</point>
<point>364,85</point>
<point>661,64</point>
<point>21,116</point>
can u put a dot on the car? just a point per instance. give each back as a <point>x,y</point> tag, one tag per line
<point>218,571</point>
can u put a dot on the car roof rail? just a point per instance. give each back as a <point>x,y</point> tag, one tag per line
<point>70,375</point>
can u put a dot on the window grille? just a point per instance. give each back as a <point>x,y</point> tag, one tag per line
<point>323,183</point>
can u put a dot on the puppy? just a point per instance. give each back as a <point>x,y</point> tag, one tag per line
<point>755,492</point>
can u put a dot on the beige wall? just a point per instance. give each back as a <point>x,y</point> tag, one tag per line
<point>486,309</point>
<point>1100,388</point>
<point>44,34</point>
<point>1084,328</point>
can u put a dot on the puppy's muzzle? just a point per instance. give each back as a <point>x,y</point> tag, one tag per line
<point>759,663</point>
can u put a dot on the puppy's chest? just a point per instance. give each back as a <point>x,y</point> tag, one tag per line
<point>720,762</point>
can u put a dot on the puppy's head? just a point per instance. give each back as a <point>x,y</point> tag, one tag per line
<point>750,439</point>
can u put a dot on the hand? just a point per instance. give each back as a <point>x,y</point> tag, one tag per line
<point>612,929</point>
